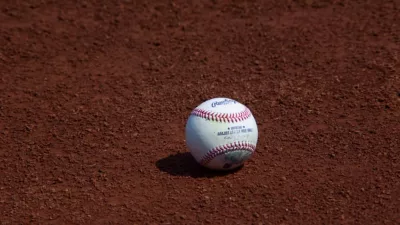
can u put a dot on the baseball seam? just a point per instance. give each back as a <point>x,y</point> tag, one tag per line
<point>220,150</point>
<point>222,117</point>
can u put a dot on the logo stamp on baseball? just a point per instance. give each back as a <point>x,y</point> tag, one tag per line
<point>221,134</point>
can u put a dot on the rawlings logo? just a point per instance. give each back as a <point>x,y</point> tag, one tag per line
<point>224,102</point>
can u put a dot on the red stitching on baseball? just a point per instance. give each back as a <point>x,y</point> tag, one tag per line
<point>222,117</point>
<point>220,150</point>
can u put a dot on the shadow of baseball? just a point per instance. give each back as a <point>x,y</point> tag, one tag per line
<point>183,164</point>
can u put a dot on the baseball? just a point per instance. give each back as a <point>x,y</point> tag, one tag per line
<point>221,134</point>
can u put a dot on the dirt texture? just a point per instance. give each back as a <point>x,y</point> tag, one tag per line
<point>94,97</point>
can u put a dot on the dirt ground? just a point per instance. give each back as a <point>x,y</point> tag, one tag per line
<point>94,97</point>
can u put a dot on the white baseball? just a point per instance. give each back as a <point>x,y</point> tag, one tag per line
<point>221,134</point>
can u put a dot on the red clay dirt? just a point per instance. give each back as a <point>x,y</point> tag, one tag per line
<point>94,97</point>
